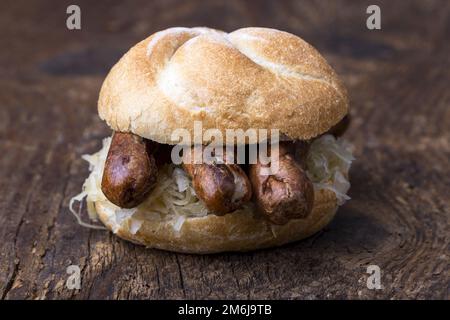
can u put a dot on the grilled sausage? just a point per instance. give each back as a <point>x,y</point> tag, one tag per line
<point>222,187</point>
<point>161,152</point>
<point>288,193</point>
<point>339,129</point>
<point>130,171</point>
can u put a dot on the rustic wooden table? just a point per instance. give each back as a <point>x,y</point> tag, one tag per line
<point>398,218</point>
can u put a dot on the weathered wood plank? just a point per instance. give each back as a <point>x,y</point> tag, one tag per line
<point>399,217</point>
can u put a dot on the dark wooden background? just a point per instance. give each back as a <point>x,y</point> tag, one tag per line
<point>399,215</point>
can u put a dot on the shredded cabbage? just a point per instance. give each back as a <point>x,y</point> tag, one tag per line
<point>328,163</point>
<point>174,198</point>
<point>92,186</point>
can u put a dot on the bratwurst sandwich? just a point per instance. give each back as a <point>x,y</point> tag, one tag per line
<point>250,78</point>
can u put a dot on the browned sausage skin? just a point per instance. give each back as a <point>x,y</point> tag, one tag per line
<point>341,127</point>
<point>161,152</point>
<point>130,171</point>
<point>222,187</point>
<point>287,194</point>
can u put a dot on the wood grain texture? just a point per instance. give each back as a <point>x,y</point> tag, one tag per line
<point>399,215</point>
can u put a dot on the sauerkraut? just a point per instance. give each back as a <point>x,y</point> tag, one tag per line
<point>328,163</point>
<point>174,198</point>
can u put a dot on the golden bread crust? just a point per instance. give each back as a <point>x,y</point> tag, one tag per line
<point>241,231</point>
<point>249,78</point>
